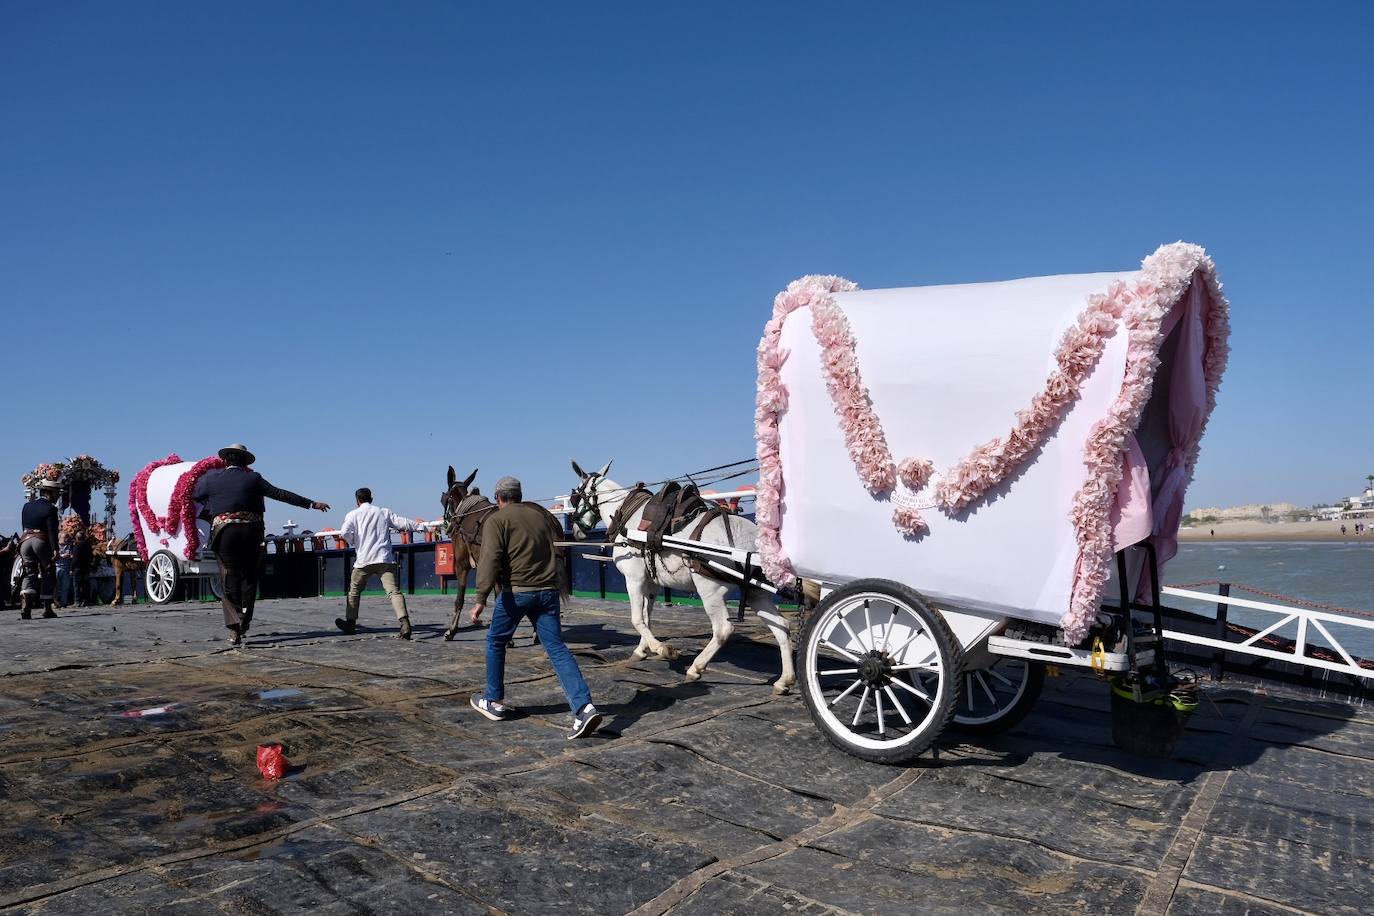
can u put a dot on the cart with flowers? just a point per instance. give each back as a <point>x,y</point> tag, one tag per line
<point>969,472</point>
<point>171,539</point>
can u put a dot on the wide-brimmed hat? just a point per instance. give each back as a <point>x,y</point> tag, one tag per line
<point>50,485</point>
<point>238,448</point>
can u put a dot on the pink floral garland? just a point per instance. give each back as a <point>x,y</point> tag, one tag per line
<point>1166,275</point>
<point>863,434</point>
<point>768,409</point>
<point>1078,352</point>
<point>181,508</point>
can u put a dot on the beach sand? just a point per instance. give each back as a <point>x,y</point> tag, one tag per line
<point>1275,531</point>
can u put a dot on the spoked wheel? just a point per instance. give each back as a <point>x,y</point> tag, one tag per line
<point>997,697</point>
<point>217,586</point>
<point>161,577</point>
<point>881,670</point>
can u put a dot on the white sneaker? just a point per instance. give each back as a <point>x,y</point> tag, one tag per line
<point>586,721</point>
<point>494,710</point>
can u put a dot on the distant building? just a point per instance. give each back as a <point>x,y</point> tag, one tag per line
<point>1361,506</point>
<point>1259,512</point>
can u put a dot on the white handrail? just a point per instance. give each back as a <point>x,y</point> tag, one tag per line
<point>1287,614</point>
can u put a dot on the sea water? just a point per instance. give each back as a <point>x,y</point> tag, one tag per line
<point>1338,573</point>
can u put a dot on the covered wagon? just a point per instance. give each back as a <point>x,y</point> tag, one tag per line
<point>983,478</point>
<point>172,540</point>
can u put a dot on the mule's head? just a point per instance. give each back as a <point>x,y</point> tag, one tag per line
<point>456,492</point>
<point>585,500</point>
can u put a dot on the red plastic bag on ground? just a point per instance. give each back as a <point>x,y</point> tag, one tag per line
<point>271,761</point>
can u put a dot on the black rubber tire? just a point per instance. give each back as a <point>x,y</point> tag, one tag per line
<point>947,647</point>
<point>1035,682</point>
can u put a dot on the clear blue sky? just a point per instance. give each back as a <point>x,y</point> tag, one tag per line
<point>435,233</point>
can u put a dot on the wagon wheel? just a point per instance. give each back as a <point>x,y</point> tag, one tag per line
<point>161,577</point>
<point>858,650</point>
<point>216,586</point>
<point>997,697</point>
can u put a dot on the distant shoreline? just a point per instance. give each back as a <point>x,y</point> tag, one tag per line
<point>1275,531</point>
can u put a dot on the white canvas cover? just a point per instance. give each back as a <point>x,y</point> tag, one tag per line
<point>946,369</point>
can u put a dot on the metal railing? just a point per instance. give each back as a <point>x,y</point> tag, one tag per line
<point>1271,642</point>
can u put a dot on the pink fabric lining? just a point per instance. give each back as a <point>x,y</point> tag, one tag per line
<point>1132,514</point>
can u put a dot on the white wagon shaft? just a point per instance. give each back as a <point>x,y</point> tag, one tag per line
<point>965,469</point>
<point>176,554</point>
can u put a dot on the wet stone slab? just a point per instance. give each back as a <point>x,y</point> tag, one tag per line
<point>739,895</point>
<point>531,854</point>
<point>129,784</point>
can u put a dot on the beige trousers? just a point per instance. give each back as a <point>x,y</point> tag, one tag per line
<point>387,573</point>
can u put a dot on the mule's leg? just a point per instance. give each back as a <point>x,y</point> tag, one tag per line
<point>640,621</point>
<point>641,590</point>
<point>763,605</point>
<point>666,650</point>
<point>713,599</point>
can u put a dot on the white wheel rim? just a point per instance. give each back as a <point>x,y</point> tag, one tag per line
<point>217,586</point>
<point>990,693</point>
<point>161,577</point>
<point>856,659</point>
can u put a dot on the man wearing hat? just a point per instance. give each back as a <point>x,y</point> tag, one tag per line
<point>519,561</point>
<point>36,550</point>
<point>232,498</point>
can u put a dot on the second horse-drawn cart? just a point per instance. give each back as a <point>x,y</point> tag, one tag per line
<point>172,540</point>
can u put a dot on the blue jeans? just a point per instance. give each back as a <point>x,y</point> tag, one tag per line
<point>66,585</point>
<point>545,616</point>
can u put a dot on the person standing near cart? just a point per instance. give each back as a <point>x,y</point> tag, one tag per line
<point>37,551</point>
<point>518,561</point>
<point>233,497</point>
<point>367,529</point>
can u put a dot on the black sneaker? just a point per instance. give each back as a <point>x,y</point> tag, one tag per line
<point>494,710</point>
<point>347,626</point>
<point>586,721</point>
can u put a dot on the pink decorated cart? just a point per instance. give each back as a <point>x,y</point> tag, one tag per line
<point>171,539</point>
<point>984,478</point>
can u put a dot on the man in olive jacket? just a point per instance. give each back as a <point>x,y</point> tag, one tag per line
<point>519,561</point>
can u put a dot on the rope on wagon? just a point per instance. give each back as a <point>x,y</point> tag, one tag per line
<point>1288,599</point>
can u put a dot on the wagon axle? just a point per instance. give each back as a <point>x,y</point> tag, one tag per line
<point>875,668</point>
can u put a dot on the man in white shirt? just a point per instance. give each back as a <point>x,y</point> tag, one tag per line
<point>367,529</point>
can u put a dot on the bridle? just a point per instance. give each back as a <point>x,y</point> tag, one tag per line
<point>586,506</point>
<point>451,504</point>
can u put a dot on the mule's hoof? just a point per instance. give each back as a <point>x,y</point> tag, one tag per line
<point>693,674</point>
<point>782,689</point>
<point>668,652</point>
<point>448,635</point>
<point>638,655</point>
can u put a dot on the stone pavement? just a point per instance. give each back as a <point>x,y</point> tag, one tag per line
<point>127,773</point>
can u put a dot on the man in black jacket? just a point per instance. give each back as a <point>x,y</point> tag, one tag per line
<point>37,551</point>
<point>233,499</point>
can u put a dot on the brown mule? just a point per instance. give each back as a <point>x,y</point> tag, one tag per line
<point>121,565</point>
<point>465,509</point>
